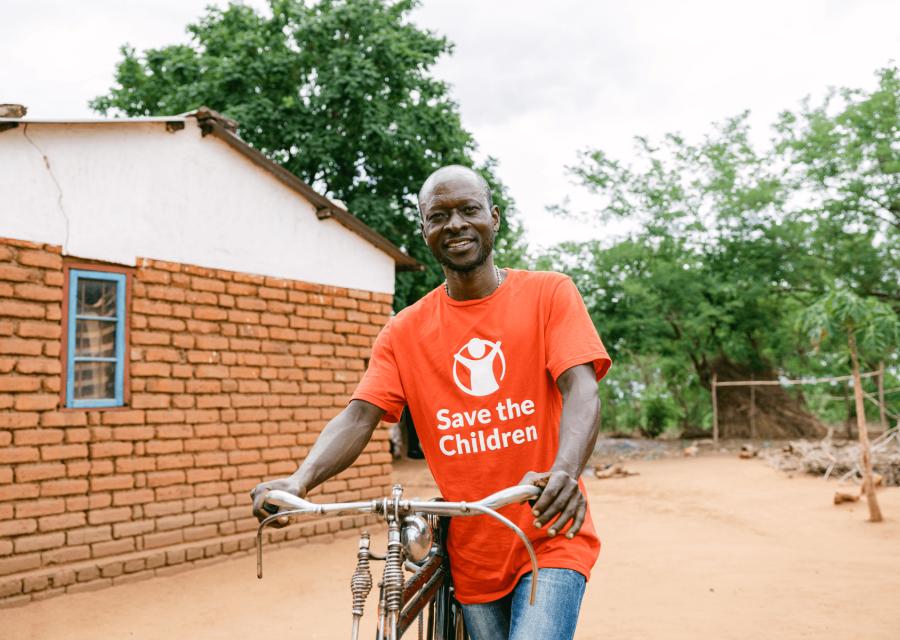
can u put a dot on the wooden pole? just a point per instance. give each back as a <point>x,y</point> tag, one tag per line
<point>848,421</point>
<point>882,411</point>
<point>715,410</point>
<point>752,412</point>
<point>868,485</point>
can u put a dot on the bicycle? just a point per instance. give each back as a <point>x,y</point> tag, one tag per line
<point>415,542</point>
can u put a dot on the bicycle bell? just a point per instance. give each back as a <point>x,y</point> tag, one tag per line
<point>416,536</point>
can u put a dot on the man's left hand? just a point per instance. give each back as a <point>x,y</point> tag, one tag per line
<point>561,497</point>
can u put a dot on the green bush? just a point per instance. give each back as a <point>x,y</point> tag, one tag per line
<point>658,413</point>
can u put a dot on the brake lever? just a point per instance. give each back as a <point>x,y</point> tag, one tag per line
<point>259,534</point>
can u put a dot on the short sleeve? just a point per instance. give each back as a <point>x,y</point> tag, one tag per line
<point>381,383</point>
<point>569,335</point>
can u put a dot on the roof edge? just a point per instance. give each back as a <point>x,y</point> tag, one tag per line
<point>27,120</point>
<point>213,123</point>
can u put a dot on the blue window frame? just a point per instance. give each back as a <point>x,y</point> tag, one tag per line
<point>95,358</point>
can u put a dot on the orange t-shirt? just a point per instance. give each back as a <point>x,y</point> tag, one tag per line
<point>479,377</point>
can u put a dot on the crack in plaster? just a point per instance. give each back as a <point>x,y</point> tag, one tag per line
<point>59,199</point>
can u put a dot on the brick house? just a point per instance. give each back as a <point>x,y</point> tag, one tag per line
<point>179,318</point>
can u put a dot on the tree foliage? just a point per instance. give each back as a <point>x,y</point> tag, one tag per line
<point>842,160</point>
<point>839,314</point>
<point>731,242</point>
<point>337,91</point>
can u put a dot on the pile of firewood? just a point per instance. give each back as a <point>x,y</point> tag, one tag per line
<point>615,470</point>
<point>836,458</point>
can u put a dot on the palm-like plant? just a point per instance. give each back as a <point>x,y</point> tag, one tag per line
<point>855,325</point>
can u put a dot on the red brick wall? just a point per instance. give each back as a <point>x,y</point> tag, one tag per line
<point>232,376</point>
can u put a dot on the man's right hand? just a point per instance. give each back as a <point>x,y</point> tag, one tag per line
<point>258,495</point>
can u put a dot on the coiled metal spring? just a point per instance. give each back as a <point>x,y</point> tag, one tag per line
<point>361,582</point>
<point>393,569</point>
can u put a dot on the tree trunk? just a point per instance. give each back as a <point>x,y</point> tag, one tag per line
<point>868,485</point>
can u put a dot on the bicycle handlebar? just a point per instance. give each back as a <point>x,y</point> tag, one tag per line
<point>502,498</point>
<point>398,508</point>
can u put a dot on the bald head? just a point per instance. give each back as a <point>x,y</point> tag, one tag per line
<point>454,172</point>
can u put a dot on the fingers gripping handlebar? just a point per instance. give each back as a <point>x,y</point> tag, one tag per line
<point>397,508</point>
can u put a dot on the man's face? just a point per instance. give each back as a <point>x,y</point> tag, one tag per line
<point>457,223</point>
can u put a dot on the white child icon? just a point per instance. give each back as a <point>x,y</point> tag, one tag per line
<point>482,381</point>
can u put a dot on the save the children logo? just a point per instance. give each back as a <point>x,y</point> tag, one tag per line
<point>475,367</point>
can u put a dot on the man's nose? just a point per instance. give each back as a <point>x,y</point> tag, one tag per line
<point>457,221</point>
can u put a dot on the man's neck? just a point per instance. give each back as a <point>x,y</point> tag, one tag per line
<point>472,285</point>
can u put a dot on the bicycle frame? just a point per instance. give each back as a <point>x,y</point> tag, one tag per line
<point>418,548</point>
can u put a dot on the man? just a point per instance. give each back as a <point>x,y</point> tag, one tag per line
<point>499,369</point>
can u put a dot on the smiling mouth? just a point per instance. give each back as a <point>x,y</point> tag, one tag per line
<point>459,243</point>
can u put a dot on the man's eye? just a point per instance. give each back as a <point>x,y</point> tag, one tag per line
<point>437,217</point>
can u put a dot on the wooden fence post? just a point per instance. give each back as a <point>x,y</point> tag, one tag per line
<point>752,411</point>
<point>715,410</point>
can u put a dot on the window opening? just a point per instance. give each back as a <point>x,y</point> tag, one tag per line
<point>96,339</point>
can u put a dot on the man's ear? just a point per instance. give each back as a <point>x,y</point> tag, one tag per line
<point>421,220</point>
<point>495,214</point>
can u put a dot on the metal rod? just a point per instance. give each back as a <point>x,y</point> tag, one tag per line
<point>259,536</point>
<point>431,620</point>
<point>287,500</point>
<point>382,613</point>
<point>534,563</point>
<point>510,495</point>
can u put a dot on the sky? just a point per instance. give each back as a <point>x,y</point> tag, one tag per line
<point>537,81</point>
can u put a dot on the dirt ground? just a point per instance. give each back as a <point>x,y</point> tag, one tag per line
<point>701,547</point>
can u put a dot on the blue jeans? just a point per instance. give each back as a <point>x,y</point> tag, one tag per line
<point>554,614</point>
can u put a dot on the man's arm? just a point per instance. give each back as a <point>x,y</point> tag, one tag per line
<point>339,444</point>
<point>579,425</point>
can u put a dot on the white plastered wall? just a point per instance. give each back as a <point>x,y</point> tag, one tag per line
<point>119,192</point>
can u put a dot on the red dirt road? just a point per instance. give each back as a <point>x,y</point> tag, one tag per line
<point>705,547</point>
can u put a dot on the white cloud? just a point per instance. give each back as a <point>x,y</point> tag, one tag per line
<point>540,81</point>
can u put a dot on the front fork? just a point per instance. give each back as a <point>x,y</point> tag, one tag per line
<point>432,585</point>
<point>391,586</point>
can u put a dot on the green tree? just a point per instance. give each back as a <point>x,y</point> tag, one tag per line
<point>337,91</point>
<point>729,241</point>
<point>842,161</point>
<point>696,282</point>
<point>856,326</point>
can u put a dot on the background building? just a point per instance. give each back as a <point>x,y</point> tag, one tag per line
<point>179,318</point>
